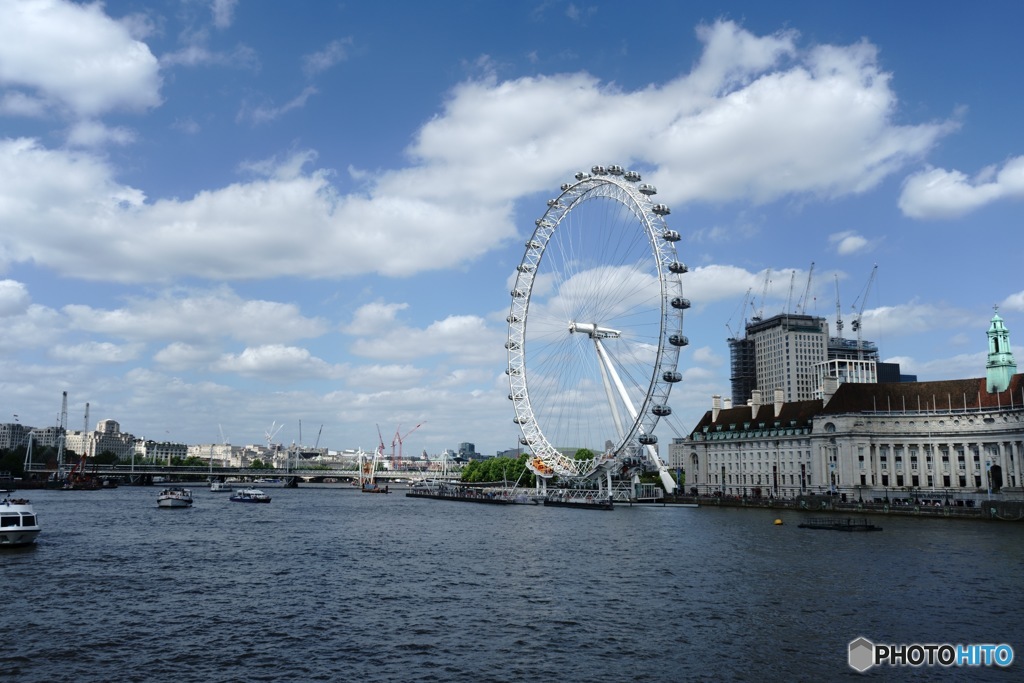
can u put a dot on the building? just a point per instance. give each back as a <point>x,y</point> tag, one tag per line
<point>795,353</point>
<point>13,435</point>
<point>954,440</point>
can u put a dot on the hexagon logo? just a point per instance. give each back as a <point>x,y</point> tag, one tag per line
<point>862,654</point>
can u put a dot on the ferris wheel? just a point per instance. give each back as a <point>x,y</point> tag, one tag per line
<point>595,329</point>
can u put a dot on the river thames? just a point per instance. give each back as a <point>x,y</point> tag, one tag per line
<point>327,584</point>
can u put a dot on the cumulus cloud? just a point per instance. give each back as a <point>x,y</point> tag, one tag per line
<point>75,56</point>
<point>1014,302</point>
<point>758,118</point>
<point>941,194</point>
<point>849,242</point>
<point>276,361</point>
<point>96,352</point>
<point>380,333</point>
<point>194,316</point>
<point>14,298</point>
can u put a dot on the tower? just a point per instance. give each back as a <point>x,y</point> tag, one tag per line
<point>1000,366</point>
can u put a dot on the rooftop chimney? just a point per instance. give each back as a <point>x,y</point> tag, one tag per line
<point>716,407</point>
<point>778,402</point>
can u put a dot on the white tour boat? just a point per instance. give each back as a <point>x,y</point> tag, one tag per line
<point>250,496</point>
<point>18,522</point>
<point>174,497</point>
<point>220,486</point>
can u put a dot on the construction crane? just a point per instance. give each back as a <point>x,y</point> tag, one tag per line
<point>764,295</point>
<point>839,314</point>
<point>856,324</point>
<point>734,334</point>
<point>807,291</point>
<point>61,427</point>
<point>399,438</point>
<point>85,431</point>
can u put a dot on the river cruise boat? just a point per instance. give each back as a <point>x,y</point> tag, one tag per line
<point>220,487</point>
<point>838,524</point>
<point>250,496</point>
<point>18,523</point>
<point>174,497</point>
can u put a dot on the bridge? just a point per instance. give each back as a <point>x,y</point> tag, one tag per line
<point>293,477</point>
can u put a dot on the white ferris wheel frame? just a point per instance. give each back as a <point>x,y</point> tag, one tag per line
<point>624,187</point>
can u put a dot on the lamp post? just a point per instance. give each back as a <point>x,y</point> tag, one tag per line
<point>988,476</point>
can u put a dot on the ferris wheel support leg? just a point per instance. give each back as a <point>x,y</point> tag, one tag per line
<point>666,479</point>
<point>605,367</point>
<point>606,364</point>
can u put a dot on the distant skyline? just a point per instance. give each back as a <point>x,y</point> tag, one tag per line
<point>224,215</point>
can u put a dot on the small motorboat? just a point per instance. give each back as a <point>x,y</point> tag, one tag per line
<point>174,497</point>
<point>250,496</point>
<point>18,523</point>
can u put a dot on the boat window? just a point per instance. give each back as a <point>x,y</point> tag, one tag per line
<point>9,520</point>
<point>28,520</point>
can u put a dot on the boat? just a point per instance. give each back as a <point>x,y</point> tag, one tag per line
<point>19,524</point>
<point>174,497</point>
<point>839,524</point>
<point>6,483</point>
<point>579,503</point>
<point>368,470</point>
<point>250,496</point>
<point>447,490</point>
<point>220,486</point>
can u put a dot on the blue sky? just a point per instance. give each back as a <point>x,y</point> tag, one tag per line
<point>219,216</point>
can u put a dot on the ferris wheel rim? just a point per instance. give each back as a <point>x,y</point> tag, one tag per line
<point>622,187</point>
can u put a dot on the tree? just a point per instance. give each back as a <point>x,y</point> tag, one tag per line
<point>106,458</point>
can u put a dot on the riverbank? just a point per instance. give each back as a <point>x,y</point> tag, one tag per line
<point>998,510</point>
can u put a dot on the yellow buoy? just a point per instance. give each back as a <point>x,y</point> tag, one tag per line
<point>778,522</point>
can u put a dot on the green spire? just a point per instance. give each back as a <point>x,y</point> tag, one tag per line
<point>1000,366</point>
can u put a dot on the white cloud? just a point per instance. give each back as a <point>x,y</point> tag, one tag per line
<point>264,114</point>
<point>941,194</point>
<point>223,12</point>
<point>335,52</point>
<point>1014,302</point>
<point>91,133</point>
<point>14,298</point>
<point>96,352</point>
<point>75,56</point>
<point>198,316</point>
<point>849,242</point>
<point>912,318</point>
<point>276,361</point>
<point>756,119</point>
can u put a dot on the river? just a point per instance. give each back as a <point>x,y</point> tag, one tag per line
<point>327,584</point>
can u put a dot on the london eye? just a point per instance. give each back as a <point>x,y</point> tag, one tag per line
<point>595,331</point>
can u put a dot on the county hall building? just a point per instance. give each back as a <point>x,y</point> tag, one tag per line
<point>951,441</point>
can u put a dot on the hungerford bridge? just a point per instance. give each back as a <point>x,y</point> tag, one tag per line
<point>142,474</point>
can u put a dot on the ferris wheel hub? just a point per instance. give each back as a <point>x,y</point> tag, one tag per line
<point>594,331</point>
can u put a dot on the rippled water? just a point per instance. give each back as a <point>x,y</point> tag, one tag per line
<point>333,585</point>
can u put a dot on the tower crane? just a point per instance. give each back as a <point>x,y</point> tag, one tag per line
<point>839,314</point>
<point>856,324</point>
<point>764,295</point>
<point>399,438</point>
<point>60,434</point>
<point>85,431</point>
<point>743,316</point>
<point>807,291</point>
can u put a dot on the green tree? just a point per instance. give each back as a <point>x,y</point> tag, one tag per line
<point>106,458</point>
